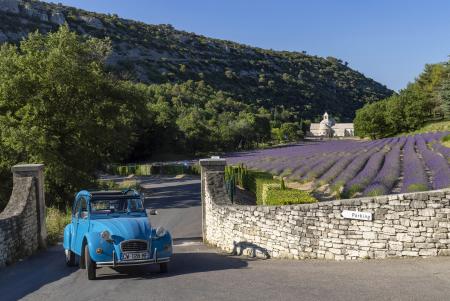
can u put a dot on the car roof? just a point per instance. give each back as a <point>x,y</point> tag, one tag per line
<point>108,194</point>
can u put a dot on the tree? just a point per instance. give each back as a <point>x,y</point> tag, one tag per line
<point>370,120</point>
<point>443,92</point>
<point>58,107</point>
<point>419,102</point>
<point>290,131</point>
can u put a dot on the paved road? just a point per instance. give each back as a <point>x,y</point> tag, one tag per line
<point>201,273</point>
<point>198,272</point>
<point>178,204</point>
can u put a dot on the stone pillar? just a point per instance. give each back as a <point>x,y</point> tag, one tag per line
<point>37,172</point>
<point>215,167</point>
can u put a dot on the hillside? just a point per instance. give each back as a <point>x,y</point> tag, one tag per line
<point>306,84</point>
<point>438,126</point>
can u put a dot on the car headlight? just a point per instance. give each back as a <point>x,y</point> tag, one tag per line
<point>106,235</point>
<point>160,232</point>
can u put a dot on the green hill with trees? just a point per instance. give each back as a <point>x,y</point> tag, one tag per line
<point>303,84</point>
<point>85,90</point>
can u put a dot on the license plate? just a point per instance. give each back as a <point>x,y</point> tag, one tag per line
<point>135,256</point>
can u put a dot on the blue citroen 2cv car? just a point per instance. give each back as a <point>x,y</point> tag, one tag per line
<point>112,228</point>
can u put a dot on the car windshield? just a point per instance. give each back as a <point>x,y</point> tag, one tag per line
<point>116,206</point>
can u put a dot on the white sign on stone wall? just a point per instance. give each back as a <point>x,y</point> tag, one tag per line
<point>359,215</point>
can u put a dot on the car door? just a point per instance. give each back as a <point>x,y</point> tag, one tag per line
<point>82,225</point>
<point>75,215</point>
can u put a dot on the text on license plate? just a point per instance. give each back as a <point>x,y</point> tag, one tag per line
<point>135,256</point>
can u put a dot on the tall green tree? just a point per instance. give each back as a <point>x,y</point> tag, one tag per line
<point>58,107</point>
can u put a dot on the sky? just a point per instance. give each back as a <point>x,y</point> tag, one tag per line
<point>387,40</point>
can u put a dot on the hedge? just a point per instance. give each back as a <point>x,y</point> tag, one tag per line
<point>260,183</point>
<point>153,169</point>
<point>278,196</point>
<point>268,191</point>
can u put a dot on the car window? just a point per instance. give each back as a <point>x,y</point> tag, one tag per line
<point>76,209</point>
<point>135,205</point>
<point>84,211</point>
<point>116,206</point>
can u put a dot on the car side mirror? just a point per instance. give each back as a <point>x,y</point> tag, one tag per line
<point>152,212</point>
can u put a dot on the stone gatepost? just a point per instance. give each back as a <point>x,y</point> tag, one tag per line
<point>37,172</point>
<point>212,178</point>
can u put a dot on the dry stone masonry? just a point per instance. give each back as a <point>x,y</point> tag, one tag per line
<point>22,223</point>
<point>413,224</point>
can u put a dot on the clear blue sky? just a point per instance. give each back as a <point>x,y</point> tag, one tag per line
<point>387,40</point>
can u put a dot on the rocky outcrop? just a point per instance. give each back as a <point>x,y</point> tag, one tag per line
<point>57,17</point>
<point>35,12</point>
<point>92,21</point>
<point>161,47</point>
<point>11,6</point>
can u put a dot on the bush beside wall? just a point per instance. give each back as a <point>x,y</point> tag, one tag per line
<point>278,196</point>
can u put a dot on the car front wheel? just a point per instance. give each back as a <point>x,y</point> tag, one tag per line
<point>70,258</point>
<point>90,264</point>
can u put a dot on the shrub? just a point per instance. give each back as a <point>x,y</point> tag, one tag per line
<point>264,186</point>
<point>149,169</point>
<point>417,187</point>
<point>260,183</point>
<point>55,221</point>
<point>112,185</point>
<point>143,170</point>
<point>257,176</point>
<point>446,141</point>
<point>283,185</point>
<point>277,196</point>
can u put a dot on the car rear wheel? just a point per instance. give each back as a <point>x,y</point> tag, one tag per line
<point>90,264</point>
<point>164,267</point>
<point>70,258</point>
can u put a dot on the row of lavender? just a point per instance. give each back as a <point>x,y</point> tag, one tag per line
<point>413,163</point>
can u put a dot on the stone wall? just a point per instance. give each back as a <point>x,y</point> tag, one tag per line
<point>413,224</point>
<point>22,223</point>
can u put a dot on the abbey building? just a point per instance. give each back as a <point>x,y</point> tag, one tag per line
<point>328,128</point>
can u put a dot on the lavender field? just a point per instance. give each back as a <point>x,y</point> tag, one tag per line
<point>352,168</point>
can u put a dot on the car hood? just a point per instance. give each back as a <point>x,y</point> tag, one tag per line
<point>124,227</point>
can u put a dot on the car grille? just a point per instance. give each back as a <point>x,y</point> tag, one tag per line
<point>133,246</point>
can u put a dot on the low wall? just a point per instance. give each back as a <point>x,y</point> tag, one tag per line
<point>413,224</point>
<point>22,223</point>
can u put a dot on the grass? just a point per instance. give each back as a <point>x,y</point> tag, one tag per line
<point>446,141</point>
<point>55,221</point>
<point>437,126</point>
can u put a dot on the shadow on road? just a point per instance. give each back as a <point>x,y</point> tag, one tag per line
<point>181,264</point>
<point>29,275</point>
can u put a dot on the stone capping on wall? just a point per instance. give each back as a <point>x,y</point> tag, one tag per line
<point>22,222</point>
<point>411,224</point>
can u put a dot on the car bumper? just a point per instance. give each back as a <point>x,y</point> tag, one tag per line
<point>117,263</point>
